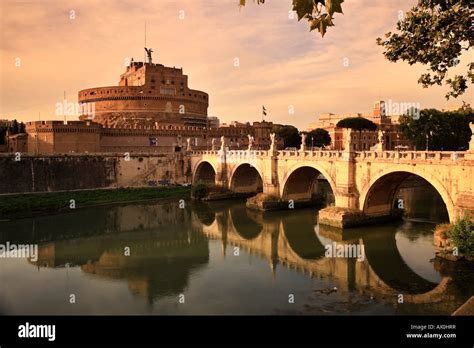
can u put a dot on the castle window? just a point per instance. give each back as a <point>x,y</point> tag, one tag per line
<point>163,82</point>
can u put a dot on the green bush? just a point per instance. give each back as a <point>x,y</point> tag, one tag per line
<point>462,235</point>
<point>199,191</point>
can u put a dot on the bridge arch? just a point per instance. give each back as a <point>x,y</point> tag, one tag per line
<point>205,172</point>
<point>246,178</point>
<point>300,179</point>
<point>378,195</point>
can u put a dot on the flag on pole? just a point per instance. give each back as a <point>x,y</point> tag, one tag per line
<point>264,111</point>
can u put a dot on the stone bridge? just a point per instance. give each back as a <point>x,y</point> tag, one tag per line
<point>364,183</point>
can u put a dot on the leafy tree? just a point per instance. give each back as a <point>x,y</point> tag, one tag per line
<point>14,128</point>
<point>3,133</point>
<point>438,130</point>
<point>357,123</point>
<point>22,128</point>
<point>289,134</point>
<point>199,191</point>
<point>462,235</point>
<point>319,13</point>
<point>434,33</point>
<point>318,137</point>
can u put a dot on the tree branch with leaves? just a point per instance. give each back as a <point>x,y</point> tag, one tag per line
<point>434,33</point>
<point>319,13</point>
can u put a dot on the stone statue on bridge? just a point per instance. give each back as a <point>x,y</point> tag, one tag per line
<point>251,141</point>
<point>273,142</point>
<point>223,144</point>
<point>303,142</point>
<point>381,141</point>
<point>213,144</point>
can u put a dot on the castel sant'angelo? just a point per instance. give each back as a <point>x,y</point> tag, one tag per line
<point>148,94</point>
<point>152,109</point>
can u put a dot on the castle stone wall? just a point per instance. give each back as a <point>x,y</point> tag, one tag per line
<point>45,173</point>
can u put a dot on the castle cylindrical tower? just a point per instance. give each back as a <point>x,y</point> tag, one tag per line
<point>147,94</point>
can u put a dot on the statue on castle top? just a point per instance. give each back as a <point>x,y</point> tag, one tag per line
<point>149,51</point>
<point>251,141</point>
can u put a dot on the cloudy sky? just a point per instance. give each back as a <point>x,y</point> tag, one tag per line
<point>281,64</point>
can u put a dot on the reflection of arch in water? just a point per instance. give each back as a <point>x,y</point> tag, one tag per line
<point>247,227</point>
<point>383,257</point>
<point>378,197</point>
<point>385,260</point>
<point>299,232</point>
<point>204,213</point>
<point>383,271</point>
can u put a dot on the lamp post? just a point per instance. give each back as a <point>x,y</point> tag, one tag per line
<point>312,143</point>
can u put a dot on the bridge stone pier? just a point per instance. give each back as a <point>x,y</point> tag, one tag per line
<point>364,183</point>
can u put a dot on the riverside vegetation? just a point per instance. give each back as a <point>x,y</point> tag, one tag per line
<point>27,205</point>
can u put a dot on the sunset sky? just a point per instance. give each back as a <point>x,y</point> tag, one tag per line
<point>281,62</point>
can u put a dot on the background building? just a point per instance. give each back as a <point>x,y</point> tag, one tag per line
<point>46,137</point>
<point>213,122</point>
<point>364,140</point>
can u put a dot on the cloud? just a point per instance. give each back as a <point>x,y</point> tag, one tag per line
<point>281,62</point>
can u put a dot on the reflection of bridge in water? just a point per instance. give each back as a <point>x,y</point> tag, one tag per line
<point>168,244</point>
<point>290,239</point>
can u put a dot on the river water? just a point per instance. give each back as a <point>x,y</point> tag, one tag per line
<point>220,258</point>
